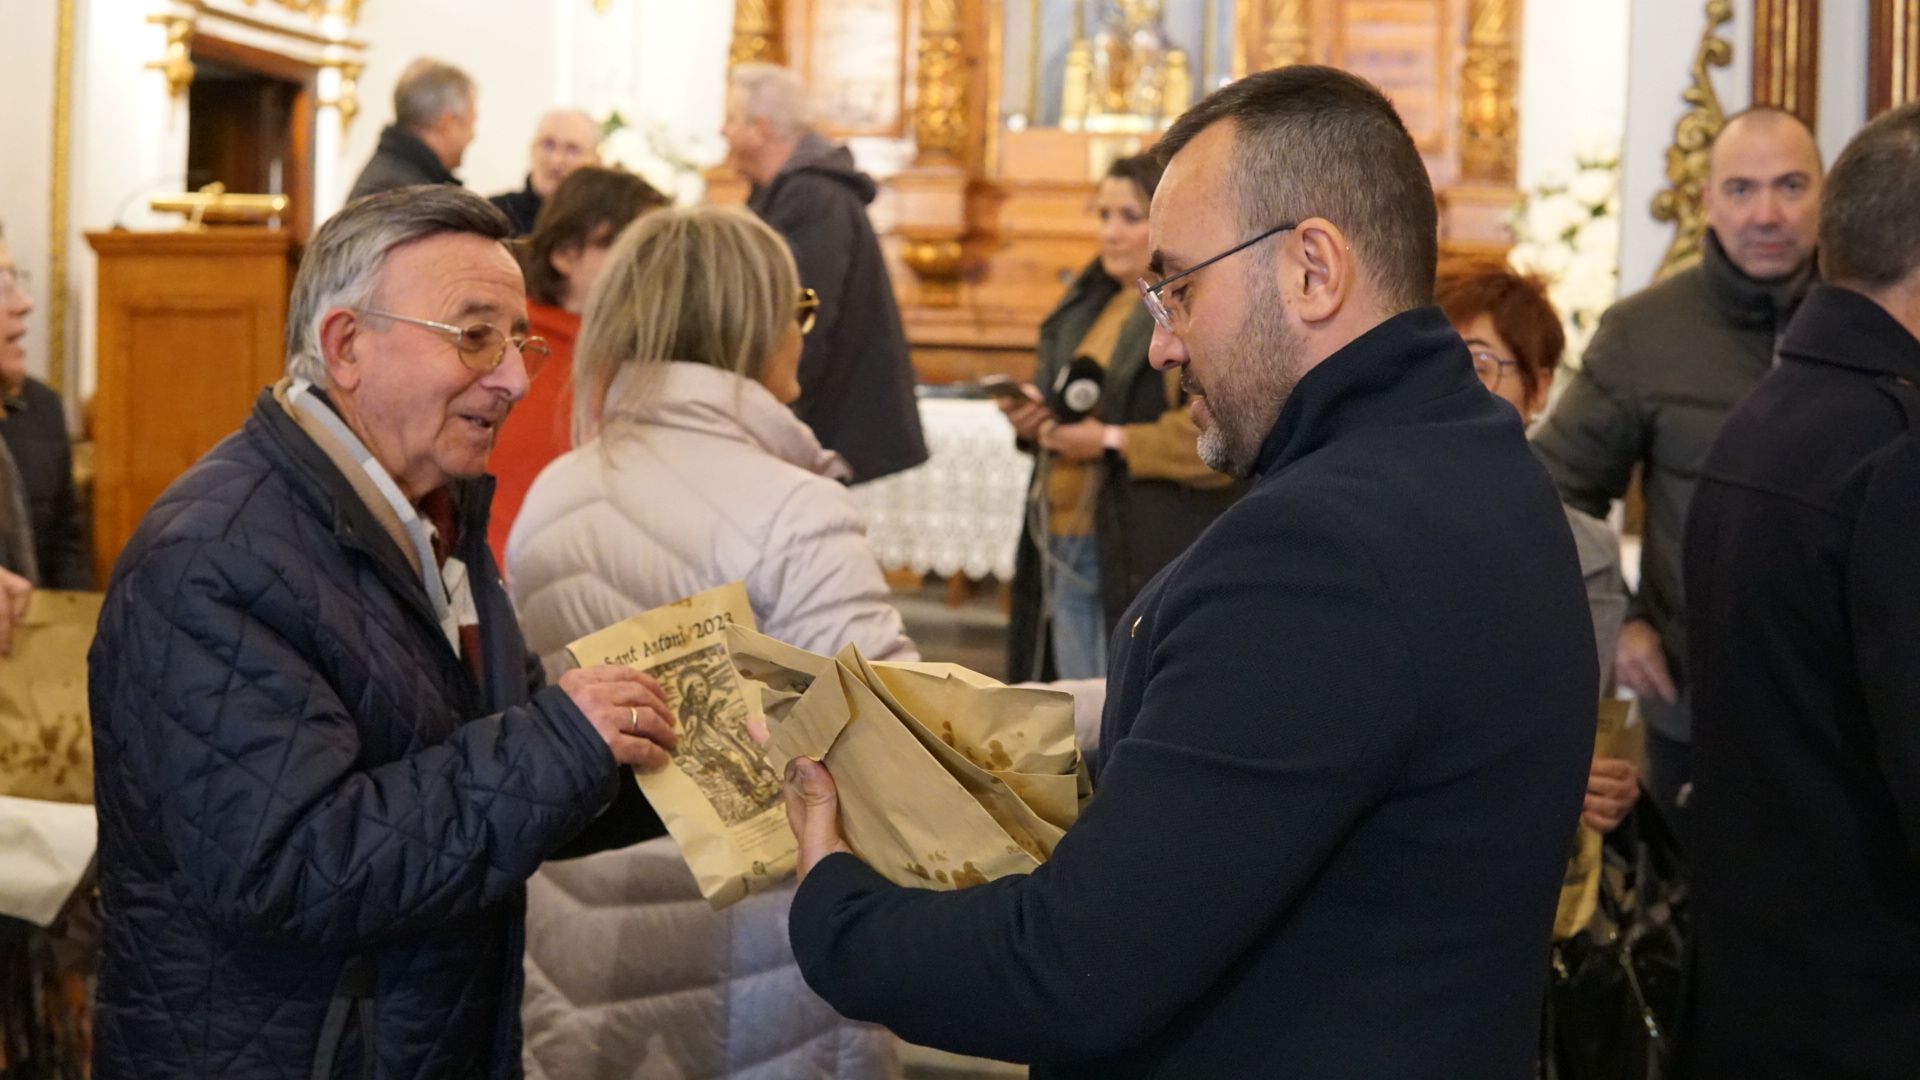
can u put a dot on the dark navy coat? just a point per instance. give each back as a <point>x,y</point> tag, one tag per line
<point>315,824</point>
<point>1345,744</point>
<point>1803,609</point>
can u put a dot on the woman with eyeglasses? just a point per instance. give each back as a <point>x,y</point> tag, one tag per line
<point>561,259</point>
<point>690,472</point>
<point>1118,494</point>
<point>1516,342</point>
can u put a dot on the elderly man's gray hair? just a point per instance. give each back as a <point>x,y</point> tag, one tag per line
<point>428,89</point>
<point>342,266</point>
<point>772,93</point>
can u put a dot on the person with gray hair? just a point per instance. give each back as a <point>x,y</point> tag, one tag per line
<point>1803,617</point>
<point>565,140</point>
<point>325,763</point>
<point>856,379</point>
<point>433,119</point>
<point>1331,813</point>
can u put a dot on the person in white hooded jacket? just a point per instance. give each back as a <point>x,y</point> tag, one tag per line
<point>689,472</point>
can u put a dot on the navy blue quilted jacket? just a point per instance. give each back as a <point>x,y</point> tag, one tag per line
<point>315,824</point>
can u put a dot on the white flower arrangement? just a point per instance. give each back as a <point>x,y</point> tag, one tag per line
<point>1567,231</point>
<point>673,163</point>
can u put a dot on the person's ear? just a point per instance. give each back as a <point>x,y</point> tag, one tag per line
<point>339,337</point>
<point>1317,270</point>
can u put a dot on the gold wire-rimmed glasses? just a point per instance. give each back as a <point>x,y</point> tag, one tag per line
<point>482,347</point>
<point>808,311</point>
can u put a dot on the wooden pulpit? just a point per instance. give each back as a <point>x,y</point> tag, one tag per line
<point>191,326</point>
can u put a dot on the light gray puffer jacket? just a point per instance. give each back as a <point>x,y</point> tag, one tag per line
<point>699,478</point>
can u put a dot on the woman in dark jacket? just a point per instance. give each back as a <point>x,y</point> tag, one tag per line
<point>1118,494</point>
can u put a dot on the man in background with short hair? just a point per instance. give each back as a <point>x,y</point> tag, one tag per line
<point>856,378</point>
<point>1664,368</point>
<point>433,120</point>
<point>565,140</point>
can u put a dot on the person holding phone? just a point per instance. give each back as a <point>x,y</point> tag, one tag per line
<point>1120,492</point>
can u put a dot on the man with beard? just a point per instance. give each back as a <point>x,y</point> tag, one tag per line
<point>1347,732</point>
<point>1664,368</point>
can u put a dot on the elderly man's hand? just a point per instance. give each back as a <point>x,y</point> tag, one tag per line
<point>629,710</point>
<point>1613,786</point>
<point>15,591</point>
<point>813,813</point>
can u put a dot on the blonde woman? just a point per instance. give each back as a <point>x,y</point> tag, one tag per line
<point>690,472</point>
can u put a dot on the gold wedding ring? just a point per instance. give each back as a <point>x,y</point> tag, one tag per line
<point>633,719</point>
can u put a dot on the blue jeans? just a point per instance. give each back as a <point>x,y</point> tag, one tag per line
<point>1079,620</point>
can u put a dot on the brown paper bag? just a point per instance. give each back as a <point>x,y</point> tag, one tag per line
<point>46,736</point>
<point>720,800</point>
<point>932,761</point>
<point>1620,734</point>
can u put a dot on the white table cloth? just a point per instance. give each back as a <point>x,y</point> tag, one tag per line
<point>960,513</point>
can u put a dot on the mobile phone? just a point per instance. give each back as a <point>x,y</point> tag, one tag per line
<point>999,386</point>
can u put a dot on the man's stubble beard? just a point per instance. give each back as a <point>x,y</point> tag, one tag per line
<point>1261,366</point>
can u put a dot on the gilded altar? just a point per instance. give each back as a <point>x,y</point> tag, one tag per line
<point>1000,115</point>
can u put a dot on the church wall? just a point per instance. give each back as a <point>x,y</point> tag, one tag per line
<point>508,46</point>
<point>655,60</point>
<point>1573,83</point>
<point>1843,72</point>
<point>1662,42</point>
<point>130,141</point>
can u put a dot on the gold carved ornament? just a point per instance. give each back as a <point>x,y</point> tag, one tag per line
<point>347,101</point>
<point>1272,34</point>
<point>757,37</point>
<point>1127,77</point>
<point>177,64</point>
<point>936,259</point>
<point>61,202</point>
<point>1287,38</point>
<point>1693,138</point>
<point>1489,127</point>
<point>314,9</point>
<point>940,84</point>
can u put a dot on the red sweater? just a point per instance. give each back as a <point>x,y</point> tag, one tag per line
<point>538,430</point>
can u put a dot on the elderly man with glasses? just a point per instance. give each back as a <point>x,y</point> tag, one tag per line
<point>326,764</point>
<point>1346,732</point>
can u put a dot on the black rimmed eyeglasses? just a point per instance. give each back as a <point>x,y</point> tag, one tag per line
<point>482,347</point>
<point>1166,314</point>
